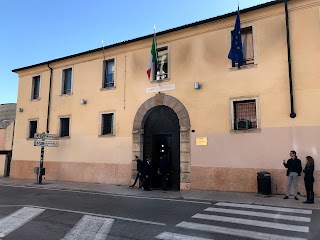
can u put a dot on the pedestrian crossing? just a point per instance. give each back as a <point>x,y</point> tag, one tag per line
<point>88,227</point>
<point>246,221</point>
<point>18,219</point>
<point>223,220</point>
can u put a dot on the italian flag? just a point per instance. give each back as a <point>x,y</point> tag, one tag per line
<point>153,56</point>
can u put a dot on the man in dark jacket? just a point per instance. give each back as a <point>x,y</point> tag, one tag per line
<point>294,170</point>
<point>139,173</point>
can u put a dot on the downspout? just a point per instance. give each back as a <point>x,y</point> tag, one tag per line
<point>292,114</point>
<point>49,99</point>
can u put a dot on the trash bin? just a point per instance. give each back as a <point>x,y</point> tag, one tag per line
<point>264,183</point>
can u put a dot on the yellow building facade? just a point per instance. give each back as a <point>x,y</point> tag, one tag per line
<point>218,124</point>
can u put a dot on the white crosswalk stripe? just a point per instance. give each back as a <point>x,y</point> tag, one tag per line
<point>256,223</point>
<point>176,236</point>
<point>278,209</point>
<point>259,214</point>
<point>235,232</point>
<point>90,227</point>
<point>291,223</point>
<point>18,219</point>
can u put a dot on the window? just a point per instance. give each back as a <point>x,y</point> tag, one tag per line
<point>107,121</point>
<point>108,72</point>
<point>247,46</point>
<point>66,81</point>
<point>33,124</point>
<point>64,127</point>
<point>161,71</point>
<point>35,87</point>
<point>244,114</point>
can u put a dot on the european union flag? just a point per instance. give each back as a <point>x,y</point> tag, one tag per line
<point>236,53</point>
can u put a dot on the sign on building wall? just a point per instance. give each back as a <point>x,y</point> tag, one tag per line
<point>161,88</point>
<point>46,140</point>
<point>202,141</point>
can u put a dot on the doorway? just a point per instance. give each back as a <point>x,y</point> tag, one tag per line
<point>162,136</point>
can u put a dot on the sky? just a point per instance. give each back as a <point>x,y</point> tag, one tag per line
<point>35,31</point>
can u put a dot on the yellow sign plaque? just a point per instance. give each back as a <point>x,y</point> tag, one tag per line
<point>202,141</point>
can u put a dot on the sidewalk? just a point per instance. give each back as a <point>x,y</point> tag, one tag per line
<point>198,195</point>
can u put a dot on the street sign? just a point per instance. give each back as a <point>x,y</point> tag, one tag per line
<point>38,143</point>
<point>46,143</point>
<point>38,135</point>
<point>51,136</point>
<point>50,143</point>
<point>46,136</point>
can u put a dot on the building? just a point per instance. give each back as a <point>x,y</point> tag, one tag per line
<point>7,119</point>
<point>218,123</point>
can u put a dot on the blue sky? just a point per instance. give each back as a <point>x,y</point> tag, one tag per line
<point>34,31</point>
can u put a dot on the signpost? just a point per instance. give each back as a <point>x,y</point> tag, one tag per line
<point>44,140</point>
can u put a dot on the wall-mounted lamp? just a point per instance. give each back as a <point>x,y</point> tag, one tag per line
<point>196,85</point>
<point>83,101</point>
<point>20,110</point>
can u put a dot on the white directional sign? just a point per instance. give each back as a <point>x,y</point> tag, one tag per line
<point>46,136</point>
<point>51,143</point>
<point>46,143</point>
<point>38,143</point>
<point>38,135</point>
<point>51,136</point>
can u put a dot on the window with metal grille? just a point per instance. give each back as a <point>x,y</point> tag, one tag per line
<point>107,123</point>
<point>36,87</point>
<point>32,128</point>
<point>245,114</point>
<point>247,46</point>
<point>66,81</point>
<point>108,79</point>
<point>64,127</point>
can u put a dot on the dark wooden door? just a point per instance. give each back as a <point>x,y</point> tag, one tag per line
<point>162,135</point>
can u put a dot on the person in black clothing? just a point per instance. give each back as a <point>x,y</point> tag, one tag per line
<point>309,179</point>
<point>164,169</point>
<point>147,174</point>
<point>139,173</point>
<point>294,170</point>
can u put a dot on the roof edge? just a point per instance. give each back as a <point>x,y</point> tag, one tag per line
<point>250,9</point>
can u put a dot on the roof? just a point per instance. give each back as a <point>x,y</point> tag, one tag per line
<point>7,114</point>
<point>260,6</point>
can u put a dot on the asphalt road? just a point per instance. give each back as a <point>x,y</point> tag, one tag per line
<point>27,213</point>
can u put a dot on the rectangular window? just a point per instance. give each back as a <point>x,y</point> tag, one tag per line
<point>64,127</point>
<point>33,124</point>
<point>244,113</point>
<point>107,121</point>
<point>108,78</point>
<point>160,72</point>
<point>35,87</point>
<point>66,81</point>
<point>247,46</point>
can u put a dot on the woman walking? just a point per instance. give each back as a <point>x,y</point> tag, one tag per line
<point>309,179</point>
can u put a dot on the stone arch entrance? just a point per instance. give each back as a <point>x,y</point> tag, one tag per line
<point>142,114</point>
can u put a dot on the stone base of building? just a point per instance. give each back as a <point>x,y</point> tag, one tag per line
<point>75,172</point>
<point>243,180</point>
<point>202,178</point>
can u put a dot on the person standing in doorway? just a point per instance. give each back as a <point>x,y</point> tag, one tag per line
<point>294,170</point>
<point>164,167</point>
<point>309,179</point>
<point>139,173</point>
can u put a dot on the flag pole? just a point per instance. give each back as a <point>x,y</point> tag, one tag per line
<point>104,57</point>
<point>155,42</point>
